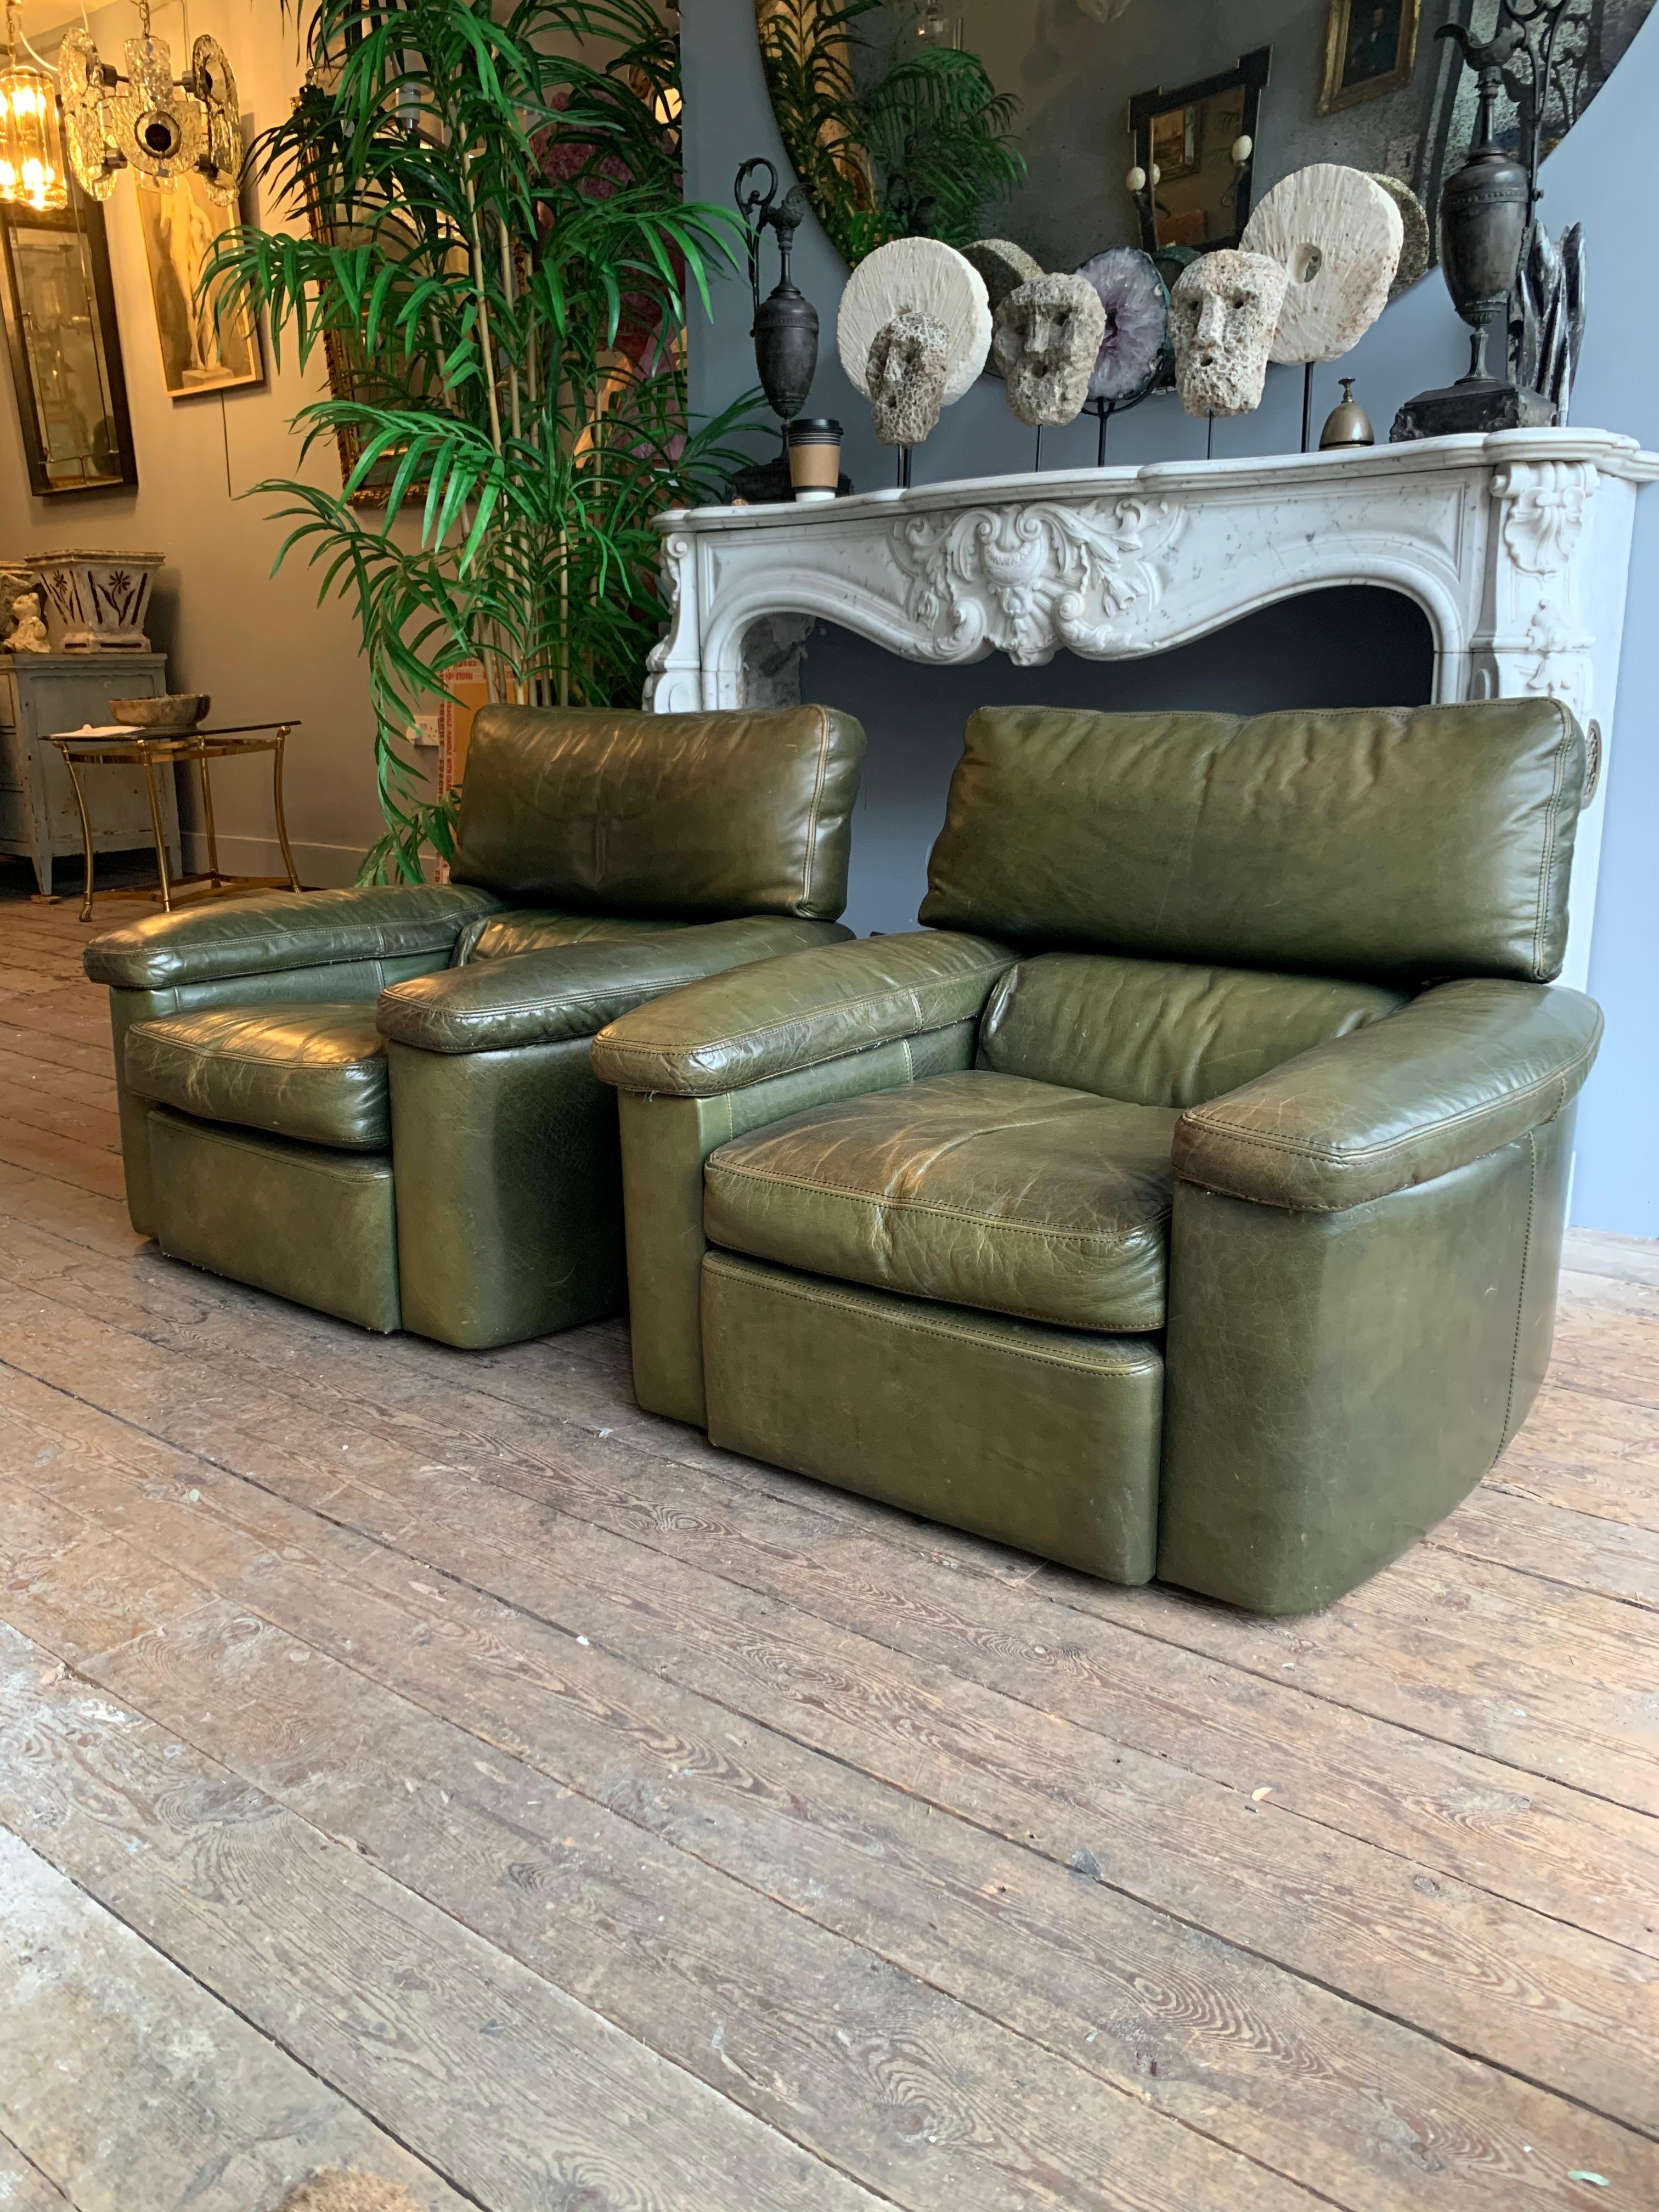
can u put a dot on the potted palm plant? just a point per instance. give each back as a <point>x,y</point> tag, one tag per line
<point>491,248</point>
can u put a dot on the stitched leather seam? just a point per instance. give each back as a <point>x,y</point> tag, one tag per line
<point>1521,1293</point>
<point>1358,1155</point>
<point>358,1169</point>
<point>1549,843</point>
<point>893,993</point>
<point>1130,1240</point>
<point>941,1328</point>
<point>812,817</point>
<point>289,1069</point>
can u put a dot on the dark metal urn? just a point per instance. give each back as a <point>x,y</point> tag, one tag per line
<point>1486,218</point>
<point>785,329</point>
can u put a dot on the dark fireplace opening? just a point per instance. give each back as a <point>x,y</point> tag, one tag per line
<point>1356,644</point>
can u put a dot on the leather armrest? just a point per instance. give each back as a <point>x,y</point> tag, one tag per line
<point>1461,1072</point>
<point>571,990</point>
<point>264,936</point>
<point>794,1013</point>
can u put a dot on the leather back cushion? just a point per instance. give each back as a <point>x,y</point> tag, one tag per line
<point>1411,843</point>
<point>698,815</point>
<point>1155,1034</point>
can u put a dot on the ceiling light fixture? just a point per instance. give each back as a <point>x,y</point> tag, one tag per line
<point>146,121</point>
<point>31,149</point>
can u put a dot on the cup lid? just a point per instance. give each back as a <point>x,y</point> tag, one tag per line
<point>815,426</point>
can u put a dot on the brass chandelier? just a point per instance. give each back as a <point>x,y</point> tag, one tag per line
<point>160,128</point>
<point>31,150</point>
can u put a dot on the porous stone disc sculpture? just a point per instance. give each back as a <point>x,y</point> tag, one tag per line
<point>1414,226</point>
<point>1046,339</point>
<point>906,373</point>
<point>1337,234</point>
<point>1004,265</point>
<point>1136,301</point>
<point>925,278</point>
<point>1223,313</point>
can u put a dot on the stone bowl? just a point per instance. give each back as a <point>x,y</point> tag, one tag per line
<point>171,715</point>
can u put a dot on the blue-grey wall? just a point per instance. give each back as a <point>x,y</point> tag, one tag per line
<point>1347,647</point>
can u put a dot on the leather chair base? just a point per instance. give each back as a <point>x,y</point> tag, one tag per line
<point>312,1223</point>
<point>1041,1438</point>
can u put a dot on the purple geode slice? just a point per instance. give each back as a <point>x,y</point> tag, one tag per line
<point>1136,304</point>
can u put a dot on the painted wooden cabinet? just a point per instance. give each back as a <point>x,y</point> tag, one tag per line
<point>47,691</point>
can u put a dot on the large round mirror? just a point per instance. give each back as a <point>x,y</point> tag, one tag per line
<point>1069,126</point>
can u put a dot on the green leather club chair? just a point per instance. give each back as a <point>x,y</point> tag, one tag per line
<point>444,1160</point>
<point>1187,1200</point>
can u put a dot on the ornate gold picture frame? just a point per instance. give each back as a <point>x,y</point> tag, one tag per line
<point>1371,48</point>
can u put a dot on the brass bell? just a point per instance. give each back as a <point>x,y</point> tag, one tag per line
<point>1348,423</point>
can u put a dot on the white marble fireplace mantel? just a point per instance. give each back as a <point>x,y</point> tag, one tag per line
<point>1516,546</point>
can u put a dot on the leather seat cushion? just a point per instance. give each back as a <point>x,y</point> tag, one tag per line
<point>316,1071</point>
<point>982,1190</point>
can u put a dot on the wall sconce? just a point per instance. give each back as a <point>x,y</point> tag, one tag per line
<point>141,120</point>
<point>31,148</point>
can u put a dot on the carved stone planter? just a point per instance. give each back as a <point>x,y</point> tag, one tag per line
<point>97,602</point>
<point>1516,546</point>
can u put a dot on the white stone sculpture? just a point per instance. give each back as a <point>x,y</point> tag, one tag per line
<point>1414,228</point>
<point>1338,235</point>
<point>1047,338</point>
<point>927,278</point>
<point>28,632</point>
<point>1223,313</point>
<point>905,377</point>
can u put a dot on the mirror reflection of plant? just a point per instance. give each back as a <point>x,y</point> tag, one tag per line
<point>928,145</point>
<point>499,233</point>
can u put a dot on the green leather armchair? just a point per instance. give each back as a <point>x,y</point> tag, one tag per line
<point>379,1102</point>
<point>1187,1200</point>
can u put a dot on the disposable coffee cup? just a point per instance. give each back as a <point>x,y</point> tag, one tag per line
<point>814,457</point>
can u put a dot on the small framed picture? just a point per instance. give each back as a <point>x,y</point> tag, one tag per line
<point>200,351</point>
<point>1371,48</point>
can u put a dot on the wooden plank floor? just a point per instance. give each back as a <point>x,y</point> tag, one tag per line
<point>427,1762</point>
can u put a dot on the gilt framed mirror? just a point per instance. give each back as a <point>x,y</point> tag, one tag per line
<point>64,349</point>
<point>1024,119</point>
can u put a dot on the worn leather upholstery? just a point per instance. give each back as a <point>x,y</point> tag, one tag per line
<point>447,1161</point>
<point>545,996</point>
<point>313,1223</point>
<point>749,1027</point>
<point>1407,843</point>
<point>315,1072</point>
<point>704,815</point>
<point>1159,1034</point>
<point>1039,1437</point>
<point>278,935</point>
<point>1461,1072</point>
<point>981,1189</point>
<point>1285,979</point>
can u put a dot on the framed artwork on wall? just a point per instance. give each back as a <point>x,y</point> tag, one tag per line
<point>201,351</point>
<point>65,350</point>
<point>1371,48</point>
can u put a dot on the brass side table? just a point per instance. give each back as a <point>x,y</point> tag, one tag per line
<point>129,747</point>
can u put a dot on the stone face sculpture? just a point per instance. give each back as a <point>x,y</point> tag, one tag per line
<point>1223,313</point>
<point>1004,265</point>
<point>904,377</point>
<point>1137,305</point>
<point>927,277</point>
<point>1338,235</point>
<point>28,632</point>
<point>1046,339</point>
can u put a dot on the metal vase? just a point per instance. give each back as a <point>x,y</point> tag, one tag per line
<point>1485,210</point>
<point>786,335</point>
